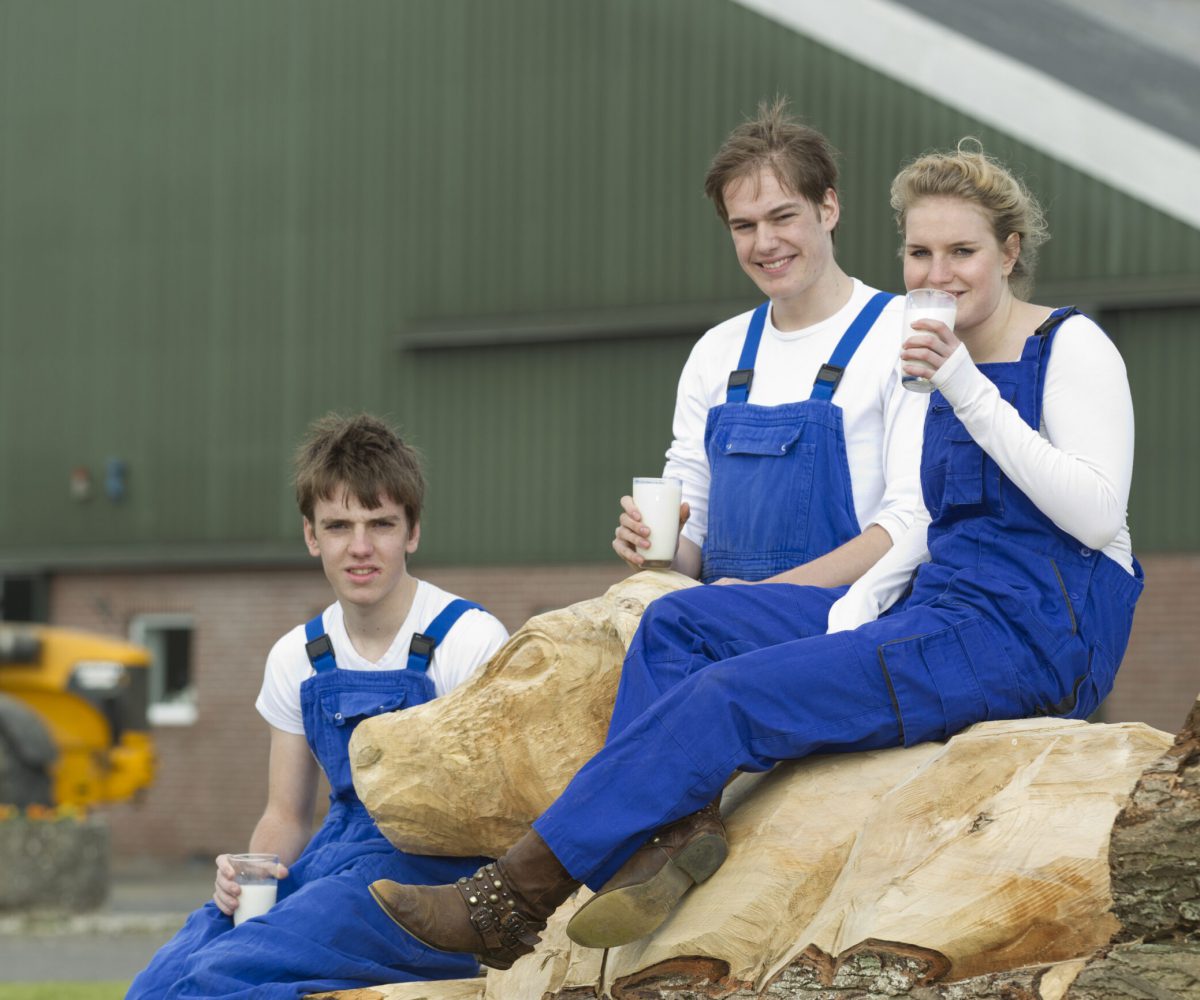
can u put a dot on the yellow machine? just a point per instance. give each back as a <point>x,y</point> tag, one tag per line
<point>73,726</point>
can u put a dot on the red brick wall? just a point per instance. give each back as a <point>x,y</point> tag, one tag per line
<point>212,778</point>
<point>211,785</point>
<point>1159,679</point>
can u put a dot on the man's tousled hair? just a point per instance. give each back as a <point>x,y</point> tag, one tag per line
<point>800,157</point>
<point>359,456</point>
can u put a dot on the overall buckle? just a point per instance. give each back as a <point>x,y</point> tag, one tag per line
<point>421,645</point>
<point>740,377</point>
<point>829,375</point>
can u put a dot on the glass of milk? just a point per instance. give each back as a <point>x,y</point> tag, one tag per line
<point>924,303</point>
<point>659,500</point>
<point>255,873</point>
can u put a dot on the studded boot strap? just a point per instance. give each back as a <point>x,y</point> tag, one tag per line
<point>494,913</point>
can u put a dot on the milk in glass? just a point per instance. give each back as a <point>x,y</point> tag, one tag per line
<point>658,500</point>
<point>925,303</point>
<point>254,901</point>
<point>255,876</point>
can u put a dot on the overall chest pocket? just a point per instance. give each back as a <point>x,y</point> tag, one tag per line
<point>961,479</point>
<point>759,440</point>
<point>348,708</point>
<point>761,484</point>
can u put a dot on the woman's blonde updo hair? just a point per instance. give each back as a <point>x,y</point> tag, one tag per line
<point>969,173</point>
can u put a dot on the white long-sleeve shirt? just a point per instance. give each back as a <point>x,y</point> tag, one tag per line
<point>1077,467</point>
<point>882,421</point>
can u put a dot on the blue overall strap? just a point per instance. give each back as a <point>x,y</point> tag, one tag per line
<point>318,647</point>
<point>737,390</point>
<point>831,372</point>
<point>420,650</point>
<point>1044,335</point>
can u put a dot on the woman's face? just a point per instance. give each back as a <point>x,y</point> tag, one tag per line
<point>949,244</point>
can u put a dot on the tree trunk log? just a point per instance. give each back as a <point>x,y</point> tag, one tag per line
<point>886,872</point>
<point>977,868</point>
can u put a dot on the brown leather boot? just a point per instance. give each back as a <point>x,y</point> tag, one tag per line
<point>495,914</point>
<point>646,888</point>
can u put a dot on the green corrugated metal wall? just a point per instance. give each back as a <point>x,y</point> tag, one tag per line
<point>218,219</point>
<point>1161,348</point>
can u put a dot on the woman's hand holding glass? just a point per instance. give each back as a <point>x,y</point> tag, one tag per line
<point>926,349</point>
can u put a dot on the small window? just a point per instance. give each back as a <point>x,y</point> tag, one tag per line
<point>172,691</point>
<point>23,598</point>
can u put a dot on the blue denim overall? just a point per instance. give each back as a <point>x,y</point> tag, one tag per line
<point>325,932</point>
<point>1012,618</point>
<point>780,491</point>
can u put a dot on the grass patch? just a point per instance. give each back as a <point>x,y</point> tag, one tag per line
<point>63,991</point>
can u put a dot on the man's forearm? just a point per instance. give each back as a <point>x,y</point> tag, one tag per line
<point>282,836</point>
<point>687,558</point>
<point>843,565</point>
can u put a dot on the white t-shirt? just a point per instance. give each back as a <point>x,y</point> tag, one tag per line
<point>882,421</point>
<point>1077,467</point>
<point>470,643</point>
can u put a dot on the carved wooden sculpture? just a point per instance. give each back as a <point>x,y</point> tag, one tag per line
<point>974,868</point>
<point>466,774</point>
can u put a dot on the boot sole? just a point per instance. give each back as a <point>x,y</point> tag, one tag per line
<point>491,963</point>
<point>619,916</point>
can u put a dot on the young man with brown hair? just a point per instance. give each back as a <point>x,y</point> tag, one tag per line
<point>796,445</point>
<point>389,641</point>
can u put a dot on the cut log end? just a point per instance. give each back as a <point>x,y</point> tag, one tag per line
<point>888,967</point>
<point>698,975</point>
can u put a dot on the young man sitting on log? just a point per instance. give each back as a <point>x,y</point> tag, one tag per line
<point>389,641</point>
<point>797,448</point>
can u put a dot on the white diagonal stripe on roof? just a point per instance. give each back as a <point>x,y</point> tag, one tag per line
<point>1094,138</point>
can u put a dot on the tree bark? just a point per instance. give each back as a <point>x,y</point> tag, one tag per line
<point>1156,845</point>
<point>1154,857</point>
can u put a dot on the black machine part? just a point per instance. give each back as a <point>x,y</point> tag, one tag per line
<point>26,752</point>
